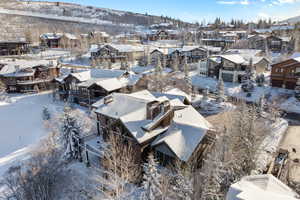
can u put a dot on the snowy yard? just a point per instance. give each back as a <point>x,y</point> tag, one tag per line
<point>22,126</point>
<point>234,89</point>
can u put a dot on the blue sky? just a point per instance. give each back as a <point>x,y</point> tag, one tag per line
<point>199,10</point>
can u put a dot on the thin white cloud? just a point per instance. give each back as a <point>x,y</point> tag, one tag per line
<point>237,2</point>
<point>281,2</point>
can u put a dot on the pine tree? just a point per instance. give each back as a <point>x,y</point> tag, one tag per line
<point>151,180</point>
<point>186,68</point>
<point>109,64</point>
<point>175,63</point>
<point>158,68</point>
<point>248,81</point>
<point>69,129</point>
<point>220,91</point>
<point>183,187</point>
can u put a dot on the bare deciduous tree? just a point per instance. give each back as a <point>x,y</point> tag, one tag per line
<point>37,179</point>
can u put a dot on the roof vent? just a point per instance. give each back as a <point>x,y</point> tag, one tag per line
<point>108,99</point>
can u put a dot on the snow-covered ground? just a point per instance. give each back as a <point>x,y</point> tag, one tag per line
<point>50,54</point>
<point>234,89</point>
<point>57,17</point>
<point>22,126</point>
<point>291,105</point>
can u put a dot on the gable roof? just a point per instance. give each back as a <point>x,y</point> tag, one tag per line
<point>237,59</point>
<point>125,47</point>
<point>51,36</point>
<point>187,130</point>
<point>260,187</point>
<point>131,110</point>
<point>16,67</point>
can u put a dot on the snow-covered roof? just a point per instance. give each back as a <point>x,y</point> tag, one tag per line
<point>16,67</point>
<point>70,36</point>
<point>297,59</point>
<point>237,59</point>
<point>285,39</point>
<point>111,84</point>
<point>51,36</point>
<point>82,76</point>
<point>126,47</point>
<point>142,69</point>
<point>189,48</point>
<point>187,130</point>
<point>131,110</point>
<point>260,187</point>
<point>250,52</point>
<point>295,55</point>
<point>211,48</point>
<point>174,93</point>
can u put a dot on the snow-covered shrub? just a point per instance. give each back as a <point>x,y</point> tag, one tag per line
<point>151,180</point>
<point>46,114</point>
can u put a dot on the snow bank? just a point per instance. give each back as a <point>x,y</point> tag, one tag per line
<point>271,143</point>
<point>22,126</point>
<point>291,105</point>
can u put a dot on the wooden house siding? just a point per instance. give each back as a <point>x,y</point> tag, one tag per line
<point>284,74</point>
<point>13,48</point>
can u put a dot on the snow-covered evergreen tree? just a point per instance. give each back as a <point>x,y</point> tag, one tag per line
<point>205,94</point>
<point>158,67</point>
<point>46,113</point>
<point>262,104</point>
<point>70,128</point>
<point>109,64</point>
<point>175,63</point>
<point>220,91</point>
<point>260,80</point>
<point>151,180</point>
<point>181,183</point>
<point>164,62</point>
<point>186,68</point>
<point>248,82</point>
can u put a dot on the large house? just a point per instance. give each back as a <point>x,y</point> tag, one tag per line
<point>192,54</point>
<point>163,35</point>
<point>232,64</point>
<point>28,76</point>
<point>286,73</point>
<point>218,42</point>
<point>117,52</point>
<point>13,47</point>
<point>272,43</point>
<point>88,86</point>
<point>59,40</point>
<point>162,123</point>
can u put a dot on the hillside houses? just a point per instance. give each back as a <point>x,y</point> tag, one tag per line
<point>163,34</point>
<point>192,54</point>
<point>117,52</point>
<point>231,65</point>
<point>13,47</point>
<point>28,75</point>
<point>271,42</point>
<point>87,86</point>
<point>96,37</point>
<point>167,126</point>
<point>286,73</point>
<point>59,40</point>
